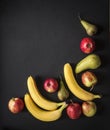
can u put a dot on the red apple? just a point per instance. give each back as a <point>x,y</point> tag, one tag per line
<point>15,105</point>
<point>89,79</point>
<point>74,110</point>
<point>89,108</point>
<point>51,85</point>
<point>87,45</point>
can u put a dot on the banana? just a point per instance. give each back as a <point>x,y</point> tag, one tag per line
<point>40,114</point>
<point>74,86</point>
<point>39,99</point>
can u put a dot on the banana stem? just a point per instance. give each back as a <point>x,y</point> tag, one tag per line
<point>98,96</point>
<point>63,106</point>
<point>61,103</point>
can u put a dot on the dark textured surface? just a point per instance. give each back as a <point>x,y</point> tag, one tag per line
<point>37,37</point>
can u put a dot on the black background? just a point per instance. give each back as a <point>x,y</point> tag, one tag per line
<point>37,37</point>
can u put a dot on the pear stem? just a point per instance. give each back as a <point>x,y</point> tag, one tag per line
<point>60,77</point>
<point>79,16</point>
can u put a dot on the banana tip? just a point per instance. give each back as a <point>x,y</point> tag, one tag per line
<point>98,96</point>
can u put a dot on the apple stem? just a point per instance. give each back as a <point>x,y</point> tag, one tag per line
<point>71,101</point>
<point>92,88</point>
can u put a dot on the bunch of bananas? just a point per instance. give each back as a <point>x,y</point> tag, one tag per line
<point>40,107</point>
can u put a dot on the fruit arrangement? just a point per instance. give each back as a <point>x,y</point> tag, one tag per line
<point>47,110</point>
<point>38,98</point>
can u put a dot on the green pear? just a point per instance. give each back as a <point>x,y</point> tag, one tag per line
<point>92,61</point>
<point>63,93</point>
<point>90,28</point>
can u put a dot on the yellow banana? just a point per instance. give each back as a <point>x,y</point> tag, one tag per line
<point>40,114</point>
<point>74,86</point>
<point>39,99</point>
